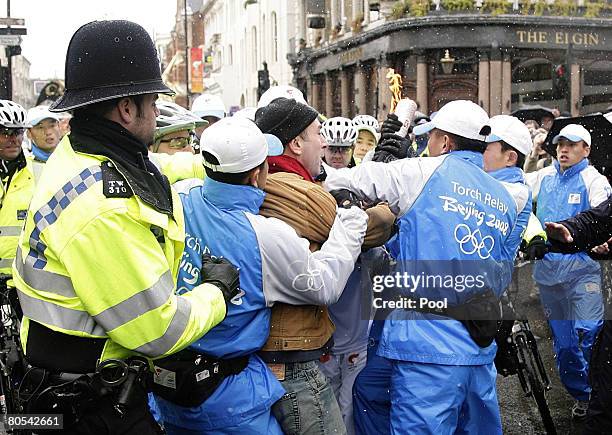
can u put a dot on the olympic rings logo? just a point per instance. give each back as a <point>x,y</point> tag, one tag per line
<point>472,242</point>
<point>306,278</point>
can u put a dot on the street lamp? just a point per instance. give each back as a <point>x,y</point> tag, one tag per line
<point>447,63</point>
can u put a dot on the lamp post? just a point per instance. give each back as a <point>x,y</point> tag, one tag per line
<point>447,63</point>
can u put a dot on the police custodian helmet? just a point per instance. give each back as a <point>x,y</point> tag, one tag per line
<point>109,59</point>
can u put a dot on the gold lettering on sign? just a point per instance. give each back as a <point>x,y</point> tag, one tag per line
<point>542,36</point>
<point>559,38</point>
<point>350,56</point>
<point>593,39</point>
<point>531,37</point>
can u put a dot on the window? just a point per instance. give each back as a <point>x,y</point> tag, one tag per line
<point>230,55</point>
<point>254,46</point>
<point>274,38</point>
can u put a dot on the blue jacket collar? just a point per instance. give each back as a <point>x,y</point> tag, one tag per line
<point>233,197</point>
<point>572,170</point>
<point>470,156</point>
<point>509,175</point>
<point>39,154</point>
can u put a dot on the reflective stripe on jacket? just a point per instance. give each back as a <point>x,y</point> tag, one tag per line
<point>94,266</point>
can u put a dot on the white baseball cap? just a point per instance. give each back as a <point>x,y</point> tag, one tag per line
<point>512,131</point>
<point>39,113</point>
<point>247,112</point>
<point>238,145</point>
<point>574,133</point>
<point>208,105</point>
<point>284,91</point>
<point>460,117</point>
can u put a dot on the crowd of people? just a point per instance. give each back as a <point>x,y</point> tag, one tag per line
<point>137,244</point>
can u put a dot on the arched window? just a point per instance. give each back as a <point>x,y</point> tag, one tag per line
<point>263,38</point>
<point>230,55</point>
<point>532,83</point>
<point>274,38</point>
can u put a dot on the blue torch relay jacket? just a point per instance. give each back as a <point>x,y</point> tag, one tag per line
<point>275,265</point>
<point>455,221</point>
<point>561,195</point>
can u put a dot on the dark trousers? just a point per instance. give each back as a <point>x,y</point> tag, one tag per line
<point>599,417</point>
<point>95,415</point>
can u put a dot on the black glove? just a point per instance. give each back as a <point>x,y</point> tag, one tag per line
<point>346,199</point>
<point>536,249</point>
<point>222,274</point>
<point>393,147</point>
<point>390,126</point>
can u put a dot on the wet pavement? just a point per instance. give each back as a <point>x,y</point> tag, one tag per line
<point>520,414</point>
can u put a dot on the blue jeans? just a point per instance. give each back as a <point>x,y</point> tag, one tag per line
<point>309,406</point>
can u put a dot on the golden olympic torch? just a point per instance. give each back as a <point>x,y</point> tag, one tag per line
<point>404,108</point>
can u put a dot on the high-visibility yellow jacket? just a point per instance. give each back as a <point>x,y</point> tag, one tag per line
<point>534,228</point>
<point>14,202</point>
<point>89,265</point>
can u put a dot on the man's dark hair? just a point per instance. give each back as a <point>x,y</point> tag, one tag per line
<point>103,108</point>
<point>520,159</point>
<point>464,144</point>
<point>238,178</point>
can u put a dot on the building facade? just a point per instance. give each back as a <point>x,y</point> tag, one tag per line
<point>23,88</point>
<point>239,37</point>
<point>499,54</point>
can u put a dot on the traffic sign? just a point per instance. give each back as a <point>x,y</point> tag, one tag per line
<point>10,39</point>
<point>10,21</point>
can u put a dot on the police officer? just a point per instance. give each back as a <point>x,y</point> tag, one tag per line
<point>98,258</point>
<point>17,177</point>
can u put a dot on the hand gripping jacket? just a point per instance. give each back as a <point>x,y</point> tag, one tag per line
<point>93,266</point>
<point>560,196</point>
<point>454,221</point>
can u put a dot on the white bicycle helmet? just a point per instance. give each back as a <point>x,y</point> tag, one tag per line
<point>339,132</point>
<point>367,122</point>
<point>12,115</point>
<point>171,114</point>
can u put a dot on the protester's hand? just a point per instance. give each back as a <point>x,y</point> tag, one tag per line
<point>390,126</point>
<point>558,232</point>
<point>393,147</point>
<point>222,274</point>
<point>536,249</point>
<point>602,249</point>
<point>538,140</point>
<point>346,199</point>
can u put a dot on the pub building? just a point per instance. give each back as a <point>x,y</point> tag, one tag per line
<point>501,62</point>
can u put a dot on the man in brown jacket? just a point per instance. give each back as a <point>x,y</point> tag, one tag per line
<point>299,335</point>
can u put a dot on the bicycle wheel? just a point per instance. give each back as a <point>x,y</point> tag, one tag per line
<point>538,390</point>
